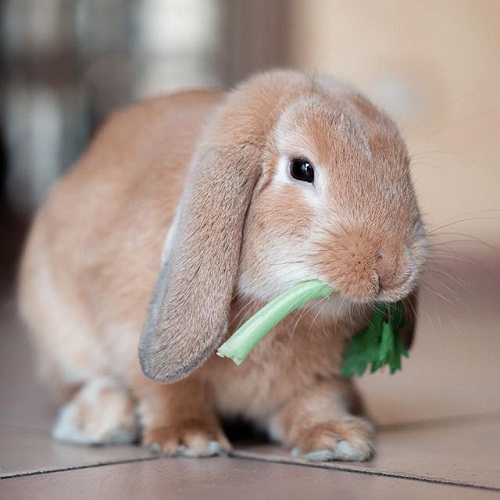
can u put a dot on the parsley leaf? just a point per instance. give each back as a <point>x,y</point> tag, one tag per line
<point>378,344</point>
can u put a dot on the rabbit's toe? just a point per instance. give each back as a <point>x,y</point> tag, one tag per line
<point>350,440</point>
<point>100,413</point>
<point>188,439</point>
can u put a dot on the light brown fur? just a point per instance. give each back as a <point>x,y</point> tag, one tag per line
<point>243,236</point>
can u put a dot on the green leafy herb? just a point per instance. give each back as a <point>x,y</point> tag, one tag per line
<point>379,344</point>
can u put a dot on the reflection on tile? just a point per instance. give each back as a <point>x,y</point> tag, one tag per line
<point>464,451</point>
<point>223,478</point>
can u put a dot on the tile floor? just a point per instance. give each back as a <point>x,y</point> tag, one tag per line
<point>439,425</point>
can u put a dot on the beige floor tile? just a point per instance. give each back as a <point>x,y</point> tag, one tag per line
<point>463,451</point>
<point>222,478</point>
<point>23,400</point>
<point>25,450</point>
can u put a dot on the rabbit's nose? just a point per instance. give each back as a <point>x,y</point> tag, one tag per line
<point>389,267</point>
<point>363,266</point>
<point>385,265</point>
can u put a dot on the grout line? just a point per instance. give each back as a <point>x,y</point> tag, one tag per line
<point>347,469</point>
<point>15,475</point>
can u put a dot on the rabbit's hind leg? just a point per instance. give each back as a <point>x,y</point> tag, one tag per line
<point>102,412</point>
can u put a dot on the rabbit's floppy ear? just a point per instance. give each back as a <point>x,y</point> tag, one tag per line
<point>410,319</point>
<point>189,312</point>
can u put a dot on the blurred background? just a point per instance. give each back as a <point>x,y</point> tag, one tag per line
<point>434,65</point>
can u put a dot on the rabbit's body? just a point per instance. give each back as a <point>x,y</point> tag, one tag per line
<point>94,255</point>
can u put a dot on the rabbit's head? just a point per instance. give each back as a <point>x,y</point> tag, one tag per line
<point>295,179</point>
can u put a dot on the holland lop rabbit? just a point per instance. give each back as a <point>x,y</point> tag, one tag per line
<point>224,200</point>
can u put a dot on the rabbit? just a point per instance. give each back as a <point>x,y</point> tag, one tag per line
<point>189,212</point>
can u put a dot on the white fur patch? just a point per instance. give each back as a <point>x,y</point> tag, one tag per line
<point>101,413</point>
<point>342,451</point>
<point>169,239</point>
<point>211,449</point>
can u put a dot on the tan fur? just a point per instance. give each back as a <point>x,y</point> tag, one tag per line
<point>245,233</point>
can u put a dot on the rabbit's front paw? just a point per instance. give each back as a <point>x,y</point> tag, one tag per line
<point>193,438</point>
<point>350,440</point>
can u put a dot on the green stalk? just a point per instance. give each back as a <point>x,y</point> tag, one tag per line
<point>239,345</point>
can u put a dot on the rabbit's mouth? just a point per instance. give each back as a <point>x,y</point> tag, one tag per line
<point>366,270</point>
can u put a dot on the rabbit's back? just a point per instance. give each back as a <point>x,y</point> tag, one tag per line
<point>94,249</point>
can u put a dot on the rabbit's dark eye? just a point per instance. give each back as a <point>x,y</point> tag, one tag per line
<point>302,170</point>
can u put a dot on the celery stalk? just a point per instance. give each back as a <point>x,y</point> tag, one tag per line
<point>239,345</point>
